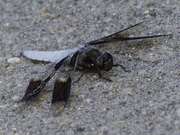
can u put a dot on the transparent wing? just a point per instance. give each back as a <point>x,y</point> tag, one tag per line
<point>49,56</point>
<point>116,37</point>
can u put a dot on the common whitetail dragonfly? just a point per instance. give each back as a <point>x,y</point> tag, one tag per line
<point>81,57</point>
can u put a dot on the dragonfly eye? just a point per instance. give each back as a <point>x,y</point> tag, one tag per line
<point>105,61</point>
<point>99,62</point>
<point>108,61</point>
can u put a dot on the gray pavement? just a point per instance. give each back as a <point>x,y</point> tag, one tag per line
<point>144,101</point>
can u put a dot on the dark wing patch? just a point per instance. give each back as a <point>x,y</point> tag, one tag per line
<point>32,91</point>
<point>61,91</point>
<point>35,87</point>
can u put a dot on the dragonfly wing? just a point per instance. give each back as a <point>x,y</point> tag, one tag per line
<point>116,37</point>
<point>48,56</point>
<point>61,91</point>
<point>111,38</point>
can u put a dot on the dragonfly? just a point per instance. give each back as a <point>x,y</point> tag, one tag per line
<point>83,57</point>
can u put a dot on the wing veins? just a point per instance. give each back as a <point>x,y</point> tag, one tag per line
<point>99,41</point>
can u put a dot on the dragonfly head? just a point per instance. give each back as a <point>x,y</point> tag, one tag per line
<point>105,61</point>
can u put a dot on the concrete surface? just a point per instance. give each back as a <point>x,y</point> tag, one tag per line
<point>144,101</point>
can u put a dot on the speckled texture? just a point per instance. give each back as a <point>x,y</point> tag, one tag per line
<point>144,101</point>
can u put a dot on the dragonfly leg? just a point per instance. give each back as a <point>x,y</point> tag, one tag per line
<point>81,76</point>
<point>116,65</point>
<point>105,78</point>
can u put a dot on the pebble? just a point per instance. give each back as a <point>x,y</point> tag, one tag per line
<point>141,73</point>
<point>88,100</point>
<point>46,15</point>
<point>82,96</point>
<point>178,112</point>
<point>16,105</point>
<point>143,112</point>
<point>1,58</point>
<point>98,84</point>
<point>19,85</point>
<point>13,60</point>
<point>15,98</point>
<point>108,20</point>
<point>110,88</point>
<point>10,69</point>
<point>3,106</point>
<point>104,128</point>
<point>146,12</point>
